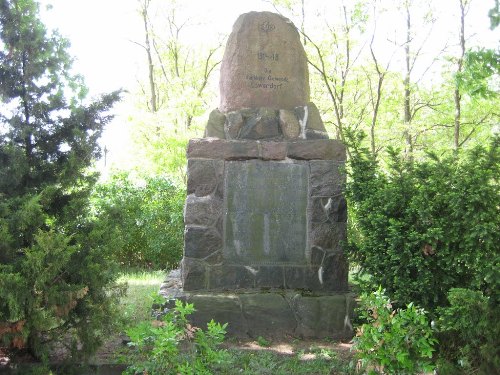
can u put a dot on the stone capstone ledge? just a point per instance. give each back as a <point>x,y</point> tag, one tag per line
<point>263,123</point>
<point>272,314</point>
<point>221,149</point>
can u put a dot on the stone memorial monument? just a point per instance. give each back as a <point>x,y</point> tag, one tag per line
<point>265,219</point>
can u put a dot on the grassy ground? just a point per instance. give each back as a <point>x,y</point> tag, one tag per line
<point>246,357</point>
<point>142,286</point>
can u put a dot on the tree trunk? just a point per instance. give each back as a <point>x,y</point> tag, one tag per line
<point>152,85</point>
<point>407,96</point>
<point>457,94</point>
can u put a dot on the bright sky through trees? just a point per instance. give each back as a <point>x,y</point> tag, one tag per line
<point>102,33</point>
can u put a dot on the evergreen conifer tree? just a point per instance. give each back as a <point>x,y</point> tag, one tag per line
<point>55,275</point>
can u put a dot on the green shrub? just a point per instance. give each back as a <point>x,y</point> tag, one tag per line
<point>393,341</point>
<point>173,346</point>
<point>428,226</point>
<point>469,329</point>
<point>57,281</point>
<point>146,220</point>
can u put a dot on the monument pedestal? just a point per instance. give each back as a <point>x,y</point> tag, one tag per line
<point>265,218</point>
<point>265,222</point>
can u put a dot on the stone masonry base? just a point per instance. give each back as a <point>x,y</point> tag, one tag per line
<point>272,313</point>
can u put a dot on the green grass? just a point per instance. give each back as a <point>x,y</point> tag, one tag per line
<point>142,286</point>
<point>267,362</point>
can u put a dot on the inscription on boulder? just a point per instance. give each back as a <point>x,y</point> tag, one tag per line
<point>264,65</point>
<point>265,213</point>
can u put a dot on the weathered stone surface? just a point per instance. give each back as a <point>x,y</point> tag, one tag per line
<point>241,150</point>
<point>193,274</point>
<point>289,124</point>
<point>272,150</point>
<point>328,209</point>
<point>314,121</point>
<point>209,148</point>
<point>317,256</point>
<point>319,316</point>
<point>326,179</point>
<point>221,308</point>
<point>264,65</point>
<point>200,242</point>
<point>231,277</point>
<point>265,212</point>
<point>334,272</point>
<point>270,277</point>
<point>233,125</point>
<point>263,125</point>
<point>215,125</point>
<point>327,235</point>
<point>202,210</point>
<point>321,149</point>
<point>204,176</point>
<point>316,134</point>
<point>212,148</point>
<point>214,259</point>
<point>268,314</point>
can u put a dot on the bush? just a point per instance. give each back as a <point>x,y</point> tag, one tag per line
<point>173,346</point>
<point>393,341</point>
<point>146,220</point>
<point>429,226</point>
<point>57,281</point>
<point>470,329</point>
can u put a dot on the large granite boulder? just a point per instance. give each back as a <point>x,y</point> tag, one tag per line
<point>264,65</point>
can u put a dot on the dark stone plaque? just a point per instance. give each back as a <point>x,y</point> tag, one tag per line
<point>265,213</point>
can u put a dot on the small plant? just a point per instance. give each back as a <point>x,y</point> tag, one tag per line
<point>173,346</point>
<point>393,341</point>
<point>263,342</point>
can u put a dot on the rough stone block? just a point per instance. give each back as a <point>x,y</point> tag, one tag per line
<point>204,176</point>
<point>241,150</point>
<point>289,124</point>
<point>230,277</point>
<point>263,125</point>
<point>208,148</point>
<point>215,125</point>
<point>215,259</point>
<point>272,150</point>
<point>314,121</point>
<point>295,277</point>
<point>222,308</point>
<point>326,180</point>
<point>316,134</point>
<point>317,256</point>
<point>204,211</point>
<point>233,125</point>
<point>320,149</point>
<point>268,314</point>
<point>335,272</point>
<point>270,277</point>
<point>200,242</point>
<point>193,274</point>
<point>323,316</point>
<point>327,235</point>
<point>328,209</point>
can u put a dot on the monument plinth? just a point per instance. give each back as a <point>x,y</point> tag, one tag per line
<point>265,217</point>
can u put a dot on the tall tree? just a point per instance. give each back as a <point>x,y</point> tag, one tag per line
<point>54,271</point>
<point>460,61</point>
